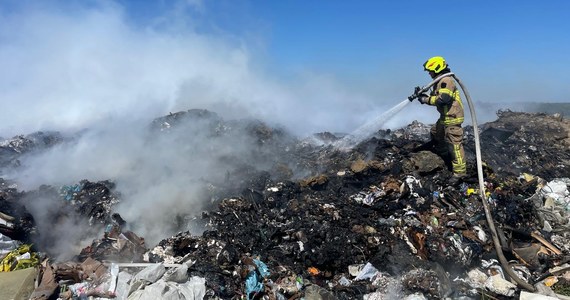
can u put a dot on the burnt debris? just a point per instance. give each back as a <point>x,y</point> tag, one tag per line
<point>308,220</point>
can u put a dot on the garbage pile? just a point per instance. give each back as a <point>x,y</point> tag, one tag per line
<point>377,222</point>
<point>522,142</point>
<point>12,149</point>
<point>91,278</point>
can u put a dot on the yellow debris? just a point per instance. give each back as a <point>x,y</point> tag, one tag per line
<point>527,177</point>
<point>550,281</point>
<point>18,259</point>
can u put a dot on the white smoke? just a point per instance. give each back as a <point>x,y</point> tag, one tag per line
<point>69,70</point>
<point>90,67</point>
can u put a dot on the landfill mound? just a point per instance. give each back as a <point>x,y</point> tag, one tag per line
<point>311,221</point>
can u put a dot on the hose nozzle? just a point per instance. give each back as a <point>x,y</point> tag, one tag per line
<point>417,91</point>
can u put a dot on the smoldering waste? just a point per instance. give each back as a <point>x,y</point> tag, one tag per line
<point>307,220</point>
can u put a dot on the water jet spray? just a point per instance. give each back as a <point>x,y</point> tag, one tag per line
<point>366,130</point>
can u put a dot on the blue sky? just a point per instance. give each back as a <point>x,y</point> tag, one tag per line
<point>513,39</point>
<point>339,62</point>
<point>364,37</point>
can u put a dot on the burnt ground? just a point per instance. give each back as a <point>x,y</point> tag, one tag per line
<point>312,213</point>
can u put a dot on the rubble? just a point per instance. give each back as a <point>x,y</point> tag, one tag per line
<point>313,222</point>
<point>11,150</point>
<point>525,143</point>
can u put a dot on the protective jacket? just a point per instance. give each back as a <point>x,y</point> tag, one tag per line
<point>445,96</point>
<point>447,131</point>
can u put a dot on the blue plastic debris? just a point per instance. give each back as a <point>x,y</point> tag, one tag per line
<point>68,191</point>
<point>261,267</point>
<point>253,283</point>
<point>436,195</point>
<point>254,279</point>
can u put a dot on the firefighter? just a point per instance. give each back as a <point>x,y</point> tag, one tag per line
<point>446,134</point>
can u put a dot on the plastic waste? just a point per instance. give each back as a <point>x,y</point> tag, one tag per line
<point>193,289</point>
<point>18,259</point>
<point>533,296</point>
<point>122,289</point>
<point>178,274</point>
<point>367,272</point>
<point>6,223</point>
<point>416,296</point>
<point>254,279</point>
<point>557,190</point>
<point>253,283</point>
<point>344,281</point>
<point>68,192</point>
<point>476,278</point>
<point>151,273</point>
<point>480,233</point>
<point>498,285</point>
<point>313,271</point>
<point>79,290</point>
<point>114,270</point>
<point>7,245</point>
<point>261,267</point>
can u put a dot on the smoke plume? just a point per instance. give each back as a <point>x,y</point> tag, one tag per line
<point>94,74</point>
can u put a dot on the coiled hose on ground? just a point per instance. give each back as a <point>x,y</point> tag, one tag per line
<point>490,222</point>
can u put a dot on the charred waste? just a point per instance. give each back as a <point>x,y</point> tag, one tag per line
<point>289,218</point>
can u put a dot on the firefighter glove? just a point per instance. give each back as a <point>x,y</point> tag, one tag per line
<point>423,98</point>
<point>417,90</point>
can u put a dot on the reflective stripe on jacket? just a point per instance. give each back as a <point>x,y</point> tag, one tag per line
<point>445,96</point>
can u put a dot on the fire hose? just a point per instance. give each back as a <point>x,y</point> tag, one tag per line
<point>489,217</point>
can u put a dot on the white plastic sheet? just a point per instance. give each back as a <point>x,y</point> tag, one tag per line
<point>151,273</point>
<point>558,191</point>
<point>368,272</point>
<point>178,274</point>
<point>6,245</point>
<point>122,290</point>
<point>193,289</point>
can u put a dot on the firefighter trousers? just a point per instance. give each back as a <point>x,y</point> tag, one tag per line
<point>448,140</point>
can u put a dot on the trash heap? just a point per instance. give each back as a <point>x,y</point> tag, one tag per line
<point>377,222</point>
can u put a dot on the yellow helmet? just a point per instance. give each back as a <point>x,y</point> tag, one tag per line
<point>435,64</point>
